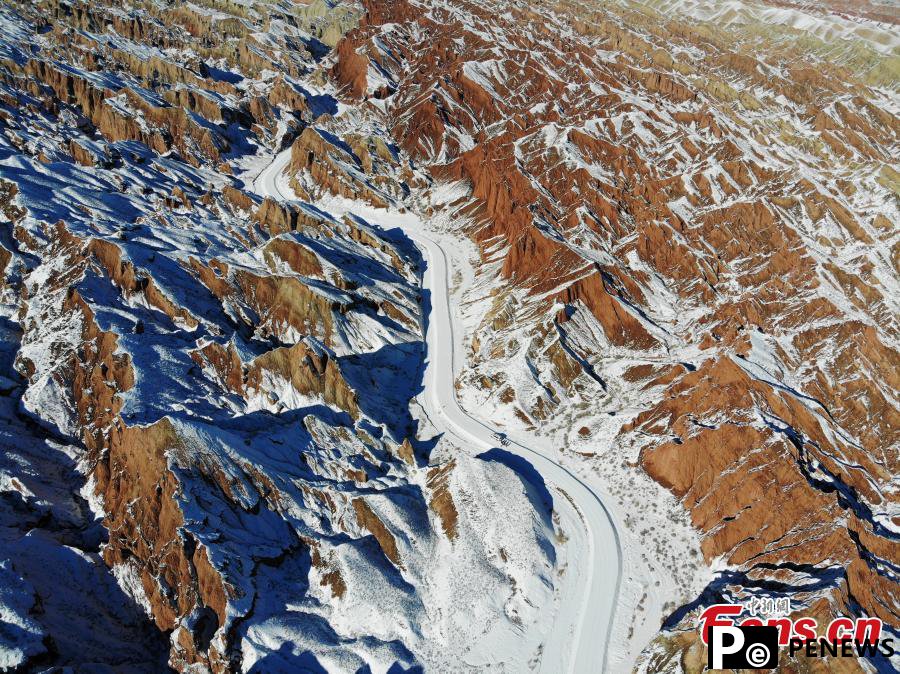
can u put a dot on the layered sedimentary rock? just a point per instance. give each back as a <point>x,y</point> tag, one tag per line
<point>207,433</point>
<point>686,279</point>
<point>695,233</point>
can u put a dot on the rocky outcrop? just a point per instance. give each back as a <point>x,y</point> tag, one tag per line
<point>277,217</point>
<point>299,258</point>
<point>124,275</point>
<point>620,325</point>
<point>442,500</point>
<point>369,521</point>
<point>687,252</point>
<point>657,257</point>
<point>350,69</point>
<point>309,369</point>
<point>327,161</point>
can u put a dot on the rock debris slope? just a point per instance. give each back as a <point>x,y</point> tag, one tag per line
<point>675,265</point>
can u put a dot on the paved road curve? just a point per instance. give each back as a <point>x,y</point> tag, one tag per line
<point>579,639</point>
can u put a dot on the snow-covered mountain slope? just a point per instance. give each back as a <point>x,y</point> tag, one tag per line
<point>578,637</point>
<point>209,440</point>
<point>685,280</point>
<point>276,276</point>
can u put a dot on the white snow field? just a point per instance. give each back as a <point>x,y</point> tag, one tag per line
<point>579,639</point>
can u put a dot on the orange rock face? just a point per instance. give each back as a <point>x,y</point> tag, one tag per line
<point>627,199</point>
<point>350,69</point>
<point>687,280</point>
<point>147,282</point>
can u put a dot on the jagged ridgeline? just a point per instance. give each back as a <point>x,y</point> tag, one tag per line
<point>672,248</point>
<point>209,459</point>
<point>686,217</point>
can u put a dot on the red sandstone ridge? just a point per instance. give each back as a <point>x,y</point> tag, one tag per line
<point>684,283</point>
<point>645,251</point>
<point>219,467</point>
<point>350,69</point>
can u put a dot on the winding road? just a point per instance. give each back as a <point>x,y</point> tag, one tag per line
<point>579,638</point>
